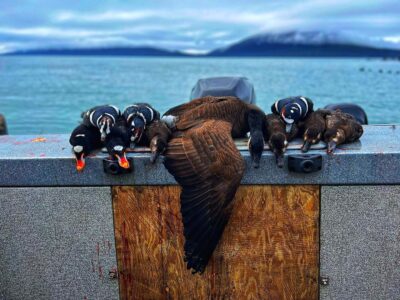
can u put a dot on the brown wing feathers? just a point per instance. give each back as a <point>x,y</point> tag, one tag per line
<point>206,163</point>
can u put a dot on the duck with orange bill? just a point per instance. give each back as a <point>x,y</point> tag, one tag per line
<point>102,117</point>
<point>84,140</point>
<point>117,141</point>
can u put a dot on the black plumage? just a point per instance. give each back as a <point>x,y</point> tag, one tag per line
<point>117,141</point>
<point>138,116</point>
<point>84,140</point>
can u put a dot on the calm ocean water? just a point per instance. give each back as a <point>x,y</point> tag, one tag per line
<point>47,94</point>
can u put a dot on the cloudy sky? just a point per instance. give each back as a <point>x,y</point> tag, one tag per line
<point>193,26</point>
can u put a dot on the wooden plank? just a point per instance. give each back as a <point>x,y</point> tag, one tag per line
<point>269,249</point>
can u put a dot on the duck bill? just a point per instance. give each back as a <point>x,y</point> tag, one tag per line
<point>331,147</point>
<point>80,163</point>
<point>123,161</point>
<point>306,146</point>
<point>279,160</point>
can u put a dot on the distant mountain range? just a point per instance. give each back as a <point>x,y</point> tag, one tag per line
<point>289,44</point>
<point>307,44</point>
<point>111,51</point>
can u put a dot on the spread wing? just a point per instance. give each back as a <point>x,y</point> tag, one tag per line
<point>206,163</point>
<point>197,104</point>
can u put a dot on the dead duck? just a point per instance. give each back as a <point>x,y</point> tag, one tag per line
<point>156,137</point>
<point>314,128</point>
<point>205,161</point>
<point>117,141</point>
<point>292,110</point>
<point>277,137</point>
<point>102,117</point>
<point>243,116</point>
<point>138,116</point>
<point>84,140</point>
<point>341,128</point>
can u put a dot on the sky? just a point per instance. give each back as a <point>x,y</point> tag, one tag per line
<point>191,26</point>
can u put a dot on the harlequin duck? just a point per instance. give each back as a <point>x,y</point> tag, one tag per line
<point>292,110</point>
<point>138,116</point>
<point>102,117</point>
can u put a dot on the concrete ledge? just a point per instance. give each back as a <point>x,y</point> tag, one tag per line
<point>48,161</point>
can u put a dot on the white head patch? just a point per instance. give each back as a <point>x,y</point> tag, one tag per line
<point>78,149</point>
<point>118,148</point>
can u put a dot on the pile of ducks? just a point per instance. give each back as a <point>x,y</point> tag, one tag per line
<point>196,139</point>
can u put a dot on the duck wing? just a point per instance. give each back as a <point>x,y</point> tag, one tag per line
<point>206,163</point>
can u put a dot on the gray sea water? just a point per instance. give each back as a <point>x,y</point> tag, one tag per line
<point>47,94</point>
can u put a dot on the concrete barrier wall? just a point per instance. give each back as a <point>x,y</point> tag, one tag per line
<point>57,232</point>
<point>360,242</point>
<point>57,243</point>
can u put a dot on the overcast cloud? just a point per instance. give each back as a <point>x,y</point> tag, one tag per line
<point>193,26</point>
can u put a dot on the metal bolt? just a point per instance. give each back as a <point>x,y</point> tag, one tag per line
<point>324,281</point>
<point>113,274</point>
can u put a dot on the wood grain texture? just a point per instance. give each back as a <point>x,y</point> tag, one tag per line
<point>269,249</point>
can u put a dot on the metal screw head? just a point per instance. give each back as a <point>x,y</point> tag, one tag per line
<point>324,281</point>
<point>113,274</point>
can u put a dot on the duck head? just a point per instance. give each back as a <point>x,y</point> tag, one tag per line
<point>105,124</point>
<point>334,137</point>
<point>137,127</point>
<point>290,114</point>
<point>278,145</point>
<point>256,147</point>
<point>311,136</point>
<point>118,151</point>
<point>80,151</point>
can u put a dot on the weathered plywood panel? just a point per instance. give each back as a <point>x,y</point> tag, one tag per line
<point>269,249</point>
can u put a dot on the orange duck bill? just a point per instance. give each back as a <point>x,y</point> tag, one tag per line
<point>122,160</point>
<point>80,163</point>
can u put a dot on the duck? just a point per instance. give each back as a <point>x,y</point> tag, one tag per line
<point>138,116</point>
<point>204,160</point>
<point>102,117</point>
<point>84,140</point>
<point>314,128</point>
<point>277,136</point>
<point>341,128</point>
<point>156,137</point>
<point>117,141</point>
<point>292,110</point>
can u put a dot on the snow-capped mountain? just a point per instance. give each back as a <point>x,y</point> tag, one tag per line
<point>309,43</point>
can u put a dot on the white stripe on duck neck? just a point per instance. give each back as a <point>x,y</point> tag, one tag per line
<point>305,102</point>
<point>151,113</point>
